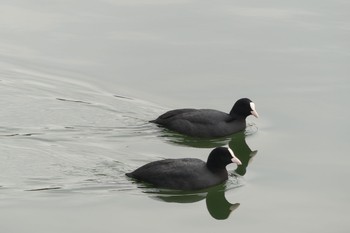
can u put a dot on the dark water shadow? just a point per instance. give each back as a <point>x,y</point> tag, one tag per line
<point>184,140</point>
<point>237,142</point>
<point>241,149</point>
<point>217,205</point>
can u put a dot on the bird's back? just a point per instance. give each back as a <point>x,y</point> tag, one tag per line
<point>185,174</point>
<point>204,123</point>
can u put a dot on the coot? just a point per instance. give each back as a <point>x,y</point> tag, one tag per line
<point>208,123</point>
<point>187,173</point>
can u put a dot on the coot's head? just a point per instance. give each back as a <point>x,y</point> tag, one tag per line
<point>220,157</point>
<point>244,107</point>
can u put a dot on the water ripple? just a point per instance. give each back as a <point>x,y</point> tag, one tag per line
<point>61,135</point>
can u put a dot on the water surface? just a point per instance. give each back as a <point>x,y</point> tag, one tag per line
<point>79,82</point>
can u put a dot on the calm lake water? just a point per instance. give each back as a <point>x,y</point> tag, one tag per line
<point>79,81</point>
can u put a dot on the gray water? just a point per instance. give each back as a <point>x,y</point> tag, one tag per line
<point>79,81</point>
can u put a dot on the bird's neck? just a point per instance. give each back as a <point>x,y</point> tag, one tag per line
<point>214,167</point>
<point>236,116</point>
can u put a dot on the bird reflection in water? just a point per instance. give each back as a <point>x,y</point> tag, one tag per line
<point>236,142</point>
<point>241,149</point>
<point>217,204</point>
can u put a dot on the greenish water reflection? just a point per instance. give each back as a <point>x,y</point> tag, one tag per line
<point>217,205</point>
<point>241,149</point>
<point>236,142</point>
